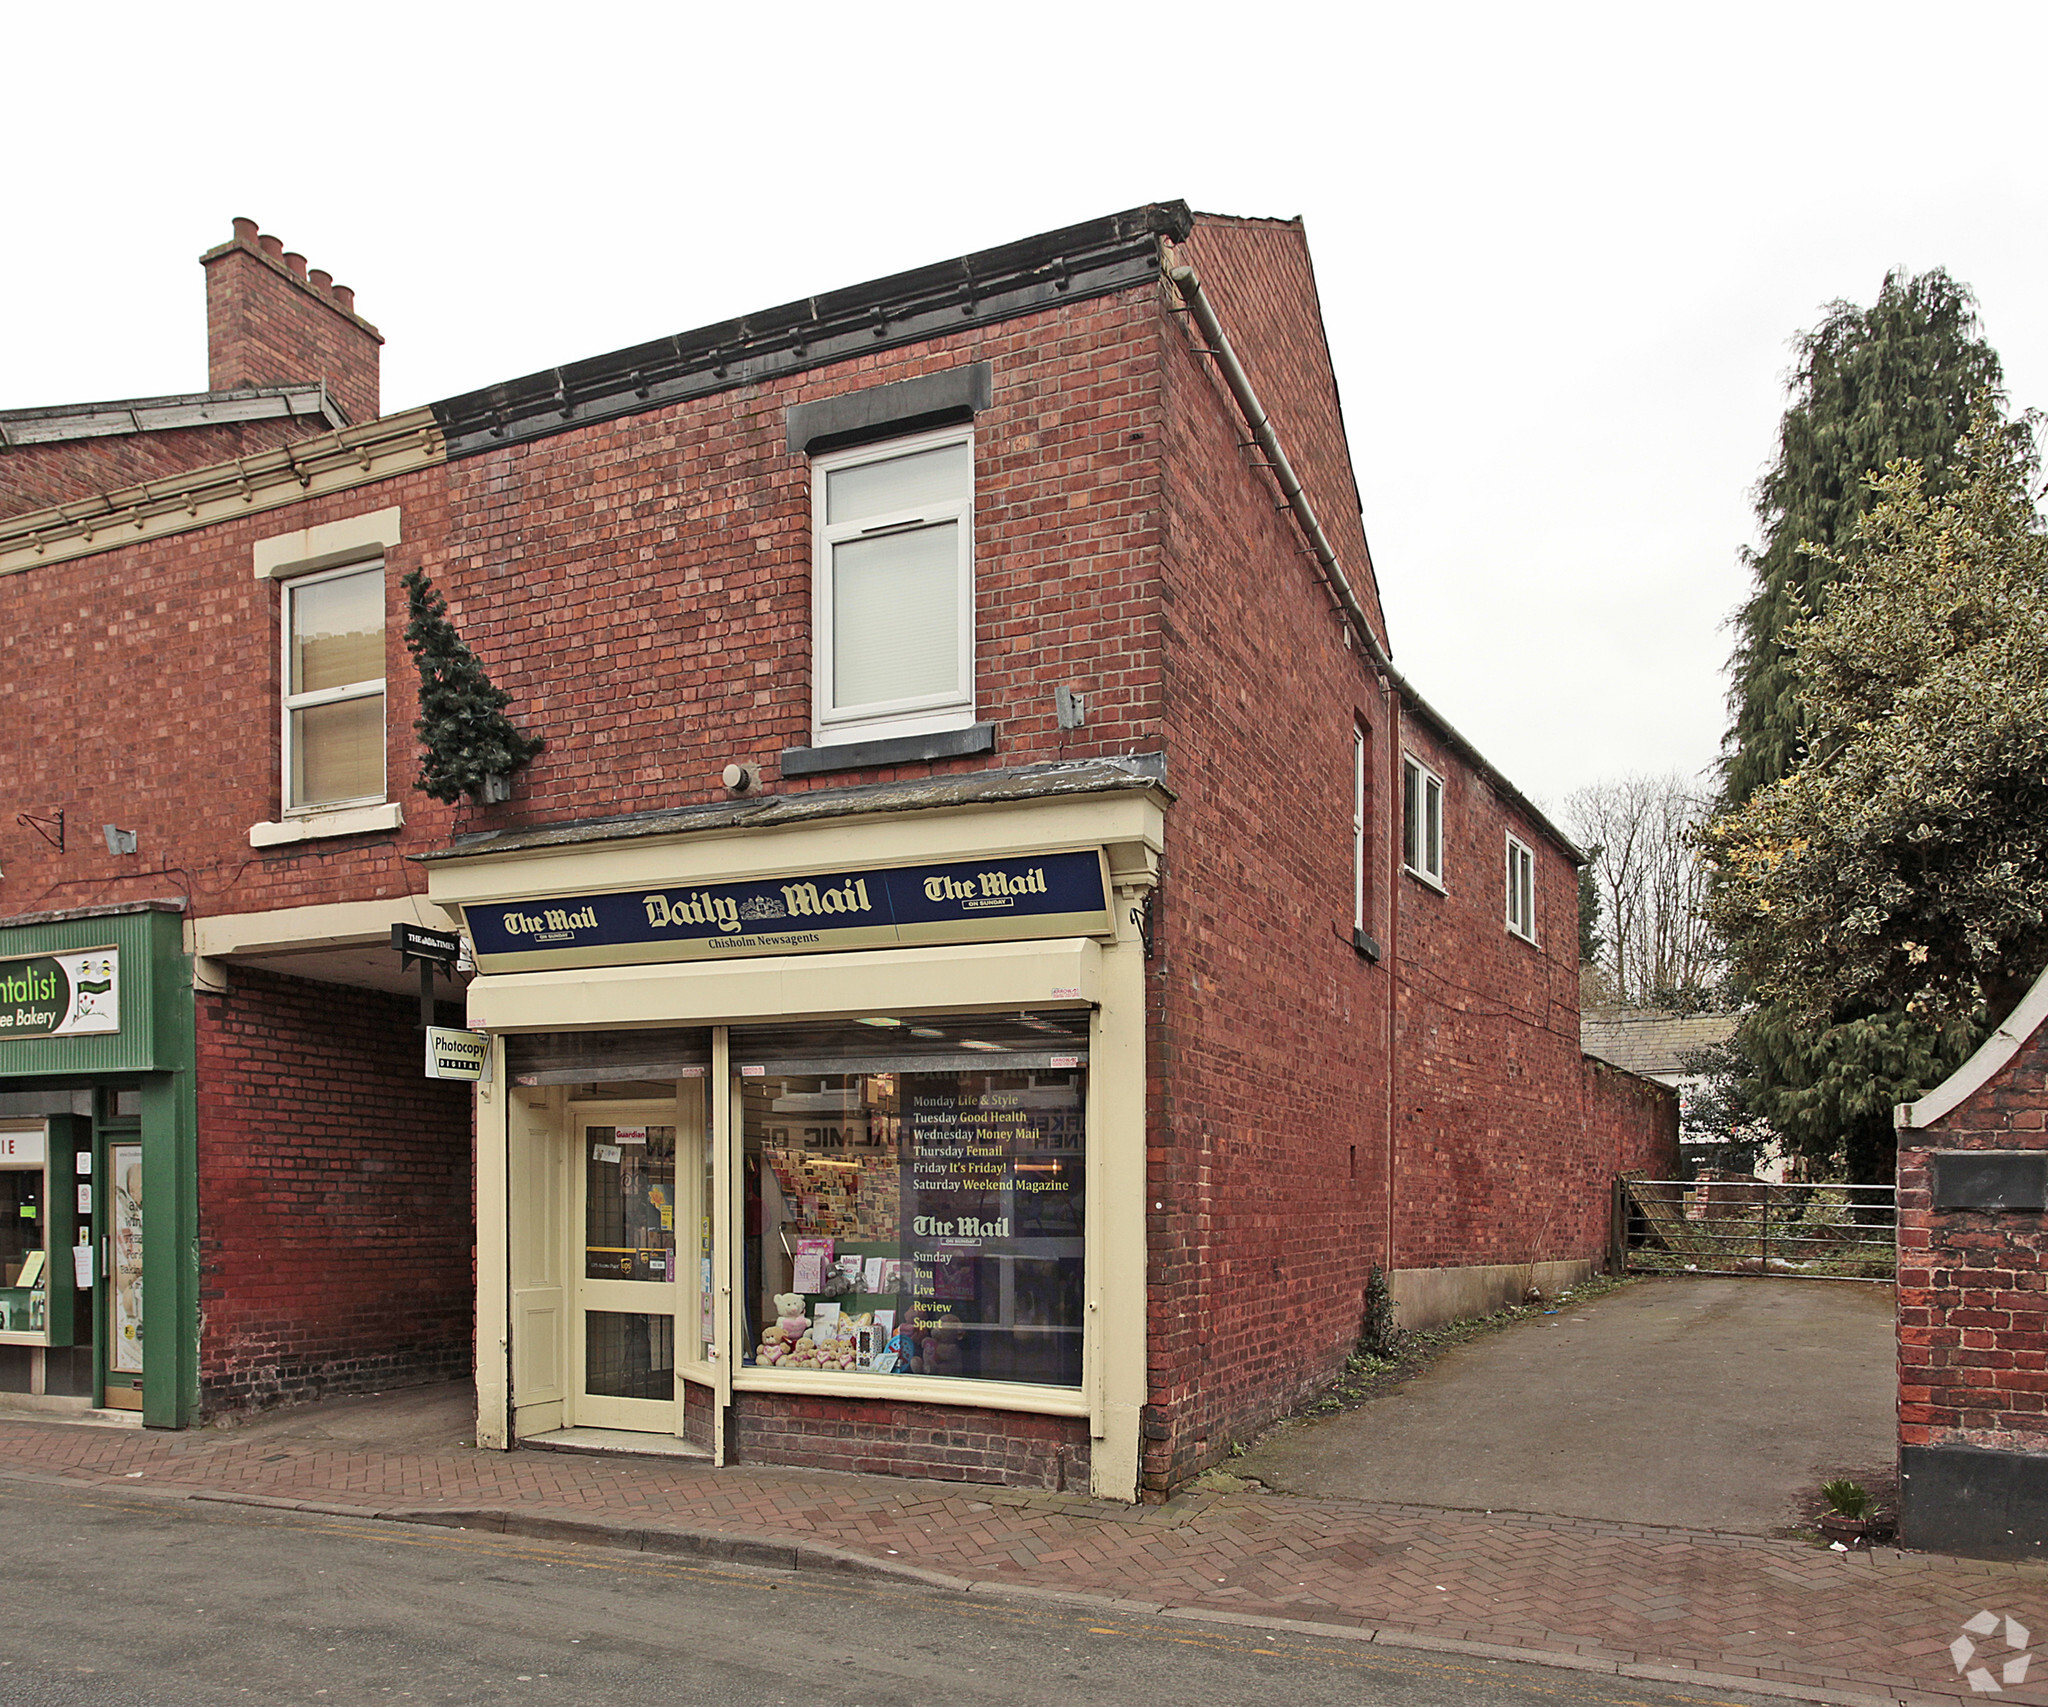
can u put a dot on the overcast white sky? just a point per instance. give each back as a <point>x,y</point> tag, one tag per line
<point>1561,249</point>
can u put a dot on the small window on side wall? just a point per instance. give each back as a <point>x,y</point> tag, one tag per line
<point>1521,890</point>
<point>1422,822</point>
<point>1358,848</point>
<point>893,588</point>
<point>334,688</point>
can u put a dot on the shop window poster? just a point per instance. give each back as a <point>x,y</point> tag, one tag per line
<point>126,1325</point>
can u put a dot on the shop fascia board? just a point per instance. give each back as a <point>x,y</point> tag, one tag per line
<point>991,977</point>
<point>1131,824</point>
<point>227,937</point>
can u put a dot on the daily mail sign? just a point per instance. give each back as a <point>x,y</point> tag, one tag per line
<point>1040,895</point>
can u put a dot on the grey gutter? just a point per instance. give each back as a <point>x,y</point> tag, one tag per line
<point>1096,258</point>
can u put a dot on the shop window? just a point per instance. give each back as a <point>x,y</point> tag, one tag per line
<point>334,689</point>
<point>893,588</point>
<point>23,1277</point>
<point>915,1197</point>
<point>1422,822</point>
<point>1521,884</point>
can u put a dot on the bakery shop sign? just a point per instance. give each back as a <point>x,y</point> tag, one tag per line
<point>1041,895</point>
<point>76,994</point>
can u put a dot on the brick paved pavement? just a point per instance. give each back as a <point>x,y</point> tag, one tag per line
<point>1875,1625</point>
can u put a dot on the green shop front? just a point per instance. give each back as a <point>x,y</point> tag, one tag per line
<point>98,1174</point>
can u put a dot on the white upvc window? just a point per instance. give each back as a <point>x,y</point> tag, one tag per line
<point>1521,876</point>
<point>1358,832</point>
<point>333,703</point>
<point>892,586</point>
<point>1422,821</point>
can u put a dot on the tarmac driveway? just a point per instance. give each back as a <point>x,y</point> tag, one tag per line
<point>1702,1404</point>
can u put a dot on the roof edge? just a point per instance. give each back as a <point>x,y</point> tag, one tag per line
<point>1974,1074</point>
<point>1074,263</point>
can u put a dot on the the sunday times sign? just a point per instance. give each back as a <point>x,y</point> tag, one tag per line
<point>1042,895</point>
<point>61,995</point>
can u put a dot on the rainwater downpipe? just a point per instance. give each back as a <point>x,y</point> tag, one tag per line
<point>1184,279</point>
<point>1188,283</point>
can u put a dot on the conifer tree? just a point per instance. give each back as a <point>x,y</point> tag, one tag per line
<point>1895,381</point>
<point>1873,385</point>
<point>466,736</point>
<point>1889,897</point>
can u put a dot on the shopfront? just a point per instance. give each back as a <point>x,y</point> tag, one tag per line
<point>97,1192</point>
<point>830,1130</point>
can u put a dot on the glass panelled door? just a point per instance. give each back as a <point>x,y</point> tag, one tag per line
<point>638,1205</point>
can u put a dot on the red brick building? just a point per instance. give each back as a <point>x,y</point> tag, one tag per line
<point>991,955</point>
<point>1973,1300</point>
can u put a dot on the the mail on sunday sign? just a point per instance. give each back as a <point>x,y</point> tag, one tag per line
<point>1040,895</point>
<point>76,994</point>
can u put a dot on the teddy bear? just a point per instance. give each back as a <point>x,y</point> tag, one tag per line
<point>942,1347</point>
<point>774,1346</point>
<point>790,1316</point>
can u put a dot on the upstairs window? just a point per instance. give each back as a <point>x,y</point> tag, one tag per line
<point>1521,890</point>
<point>1422,822</point>
<point>334,688</point>
<point>893,588</point>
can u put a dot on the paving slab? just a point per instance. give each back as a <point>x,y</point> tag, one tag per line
<point>1718,1610</point>
<point>1691,1403</point>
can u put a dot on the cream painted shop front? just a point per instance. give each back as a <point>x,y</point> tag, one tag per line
<point>813,1128</point>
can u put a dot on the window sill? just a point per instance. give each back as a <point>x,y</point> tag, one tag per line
<point>890,750</point>
<point>1423,878</point>
<point>916,1390</point>
<point>1522,937</point>
<point>313,826</point>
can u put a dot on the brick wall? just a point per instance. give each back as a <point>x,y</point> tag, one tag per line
<point>1631,1121</point>
<point>1300,1089</point>
<point>35,476</point>
<point>272,321</point>
<point>1973,1320</point>
<point>1493,1150</point>
<point>148,676</point>
<point>642,587</point>
<point>335,1227</point>
<point>1265,1162</point>
<point>947,1443</point>
<point>1973,1284</point>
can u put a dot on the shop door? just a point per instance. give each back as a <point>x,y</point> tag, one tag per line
<point>623,1349</point>
<point>122,1330</point>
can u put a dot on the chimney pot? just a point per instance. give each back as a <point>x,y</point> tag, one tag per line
<point>246,230</point>
<point>297,263</point>
<point>321,279</point>
<point>346,298</point>
<point>271,246</point>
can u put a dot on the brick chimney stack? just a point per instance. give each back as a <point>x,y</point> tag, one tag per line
<point>271,322</point>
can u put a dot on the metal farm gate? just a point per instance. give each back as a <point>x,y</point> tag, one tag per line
<point>1750,1226</point>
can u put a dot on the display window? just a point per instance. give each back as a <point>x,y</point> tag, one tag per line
<point>45,1198</point>
<point>914,1196</point>
<point>24,1280</point>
